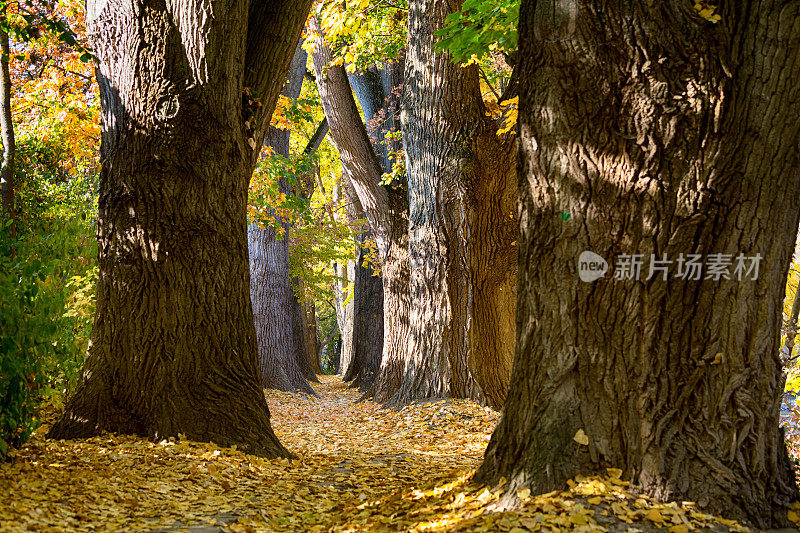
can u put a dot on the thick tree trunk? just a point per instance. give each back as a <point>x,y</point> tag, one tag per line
<point>368,287</point>
<point>271,293</point>
<point>385,207</point>
<point>173,348</point>
<point>7,132</point>
<point>492,260</point>
<point>460,224</point>
<point>276,309</point>
<point>648,130</point>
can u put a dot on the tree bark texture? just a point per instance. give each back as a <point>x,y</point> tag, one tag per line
<point>385,207</point>
<point>173,347</point>
<point>367,324</point>
<point>272,296</point>
<point>7,132</point>
<point>646,129</point>
<point>460,225</point>
<point>377,91</point>
<point>276,309</point>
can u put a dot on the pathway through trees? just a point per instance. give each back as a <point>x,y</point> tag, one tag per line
<point>358,468</point>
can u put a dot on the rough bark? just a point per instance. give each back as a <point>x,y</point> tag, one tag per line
<point>367,324</point>
<point>647,130</point>
<point>271,293</point>
<point>491,196</point>
<point>385,207</point>
<point>367,331</point>
<point>173,348</point>
<point>460,225</point>
<point>7,133</point>
<point>276,309</point>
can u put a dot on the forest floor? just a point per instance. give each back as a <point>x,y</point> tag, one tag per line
<point>358,468</point>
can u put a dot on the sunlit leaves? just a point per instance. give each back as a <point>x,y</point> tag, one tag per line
<point>362,32</point>
<point>54,95</point>
<point>708,10</point>
<point>480,27</point>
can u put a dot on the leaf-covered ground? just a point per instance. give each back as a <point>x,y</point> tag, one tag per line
<point>359,468</point>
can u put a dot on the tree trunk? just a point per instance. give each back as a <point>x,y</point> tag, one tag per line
<point>324,346</point>
<point>649,130</point>
<point>367,324</point>
<point>368,287</point>
<point>460,223</point>
<point>492,260</point>
<point>276,309</point>
<point>344,312</point>
<point>310,334</point>
<point>7,131</point>
<point>385,207</point>
<point>173,347</point>
<point>271,293</point>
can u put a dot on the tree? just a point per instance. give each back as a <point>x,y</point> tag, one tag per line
<point>462,275</point>
<point>173,347</point>
<point>7,131</point>
<point>278,332</point>
<point>385,206</point>
<point>655,129</point>
<point>377,90</point>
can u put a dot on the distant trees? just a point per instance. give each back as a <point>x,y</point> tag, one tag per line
<point>174,345</point>
<point>445,227</point>
<point>653,132</point>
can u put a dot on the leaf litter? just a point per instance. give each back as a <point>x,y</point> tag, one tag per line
<point>358,468</point>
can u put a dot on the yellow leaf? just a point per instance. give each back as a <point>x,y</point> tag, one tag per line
<point>581,438</point>
<point>679,529</point>
<point>578,519</point>
<point>596,500</point>
<point>485,496</point>
<point>654,515</point>
<point>524,493</point>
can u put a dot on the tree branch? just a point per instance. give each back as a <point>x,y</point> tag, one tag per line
<point>317,138</point>
<point>273,31</point>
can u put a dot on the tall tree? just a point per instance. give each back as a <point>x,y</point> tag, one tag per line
<point>462,197</point>
<point>7,131</point>
<point>173,347</point>
<point>276,309</point>
<point>377,90</point>
<point>650,130</point>
<point>385,206</point>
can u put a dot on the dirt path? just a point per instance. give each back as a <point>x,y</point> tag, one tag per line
<point>349,455</point>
